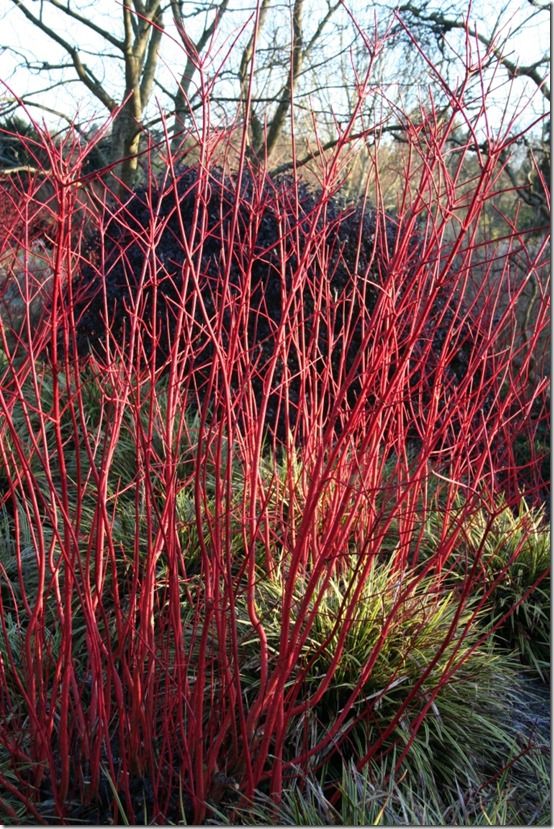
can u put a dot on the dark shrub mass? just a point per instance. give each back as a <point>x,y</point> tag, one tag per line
<point>274,271</point>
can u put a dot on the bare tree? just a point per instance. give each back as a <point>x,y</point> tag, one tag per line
<point>193,52</point>
<point>136,41</point>
<point>441,24</point>
<point>137,47</point>
<point>528,166</point>
<point>284,64</point>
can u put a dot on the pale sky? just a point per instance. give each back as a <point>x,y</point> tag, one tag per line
<point>73,99</point>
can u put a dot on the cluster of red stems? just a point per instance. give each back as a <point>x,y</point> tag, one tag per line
<point>164,705</point>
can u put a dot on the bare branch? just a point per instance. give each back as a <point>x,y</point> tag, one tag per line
<point>24,168</point>
<point>322,24</point>
<point>84,73</point>
<point>151,61</point>
<point>334,142</point>
<point>245,72</point>
<point>297,57</point>
<point>86,21</point>
<point>193,50</point>
<point>515,70</point>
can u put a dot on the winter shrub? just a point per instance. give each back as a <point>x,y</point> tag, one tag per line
<point>289,278</point>
<point>262,254</point>
<point>192,615</point>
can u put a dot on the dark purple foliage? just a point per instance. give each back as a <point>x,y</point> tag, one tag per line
<point>251,238</point>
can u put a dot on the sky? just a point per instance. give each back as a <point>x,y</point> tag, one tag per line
<point>26,41</point>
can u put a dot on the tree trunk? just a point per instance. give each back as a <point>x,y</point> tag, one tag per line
<point>126,139</point>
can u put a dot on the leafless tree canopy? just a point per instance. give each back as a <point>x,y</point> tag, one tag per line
<point>276,66</point>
